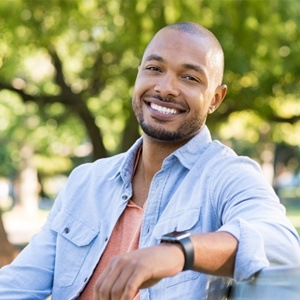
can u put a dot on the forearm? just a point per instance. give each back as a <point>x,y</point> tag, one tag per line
<point>127,273</point>
<point>215,253</point>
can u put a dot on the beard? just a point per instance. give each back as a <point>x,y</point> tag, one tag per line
<point>185,130</point>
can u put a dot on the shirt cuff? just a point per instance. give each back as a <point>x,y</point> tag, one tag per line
<point>251,256</point>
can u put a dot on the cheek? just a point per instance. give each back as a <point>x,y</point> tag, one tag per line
<point>200,102</point>
<point>195,100</point>
<point>141,82</point>
<point>144,83</point>
<point>199,108</point>
<point>138,90</point>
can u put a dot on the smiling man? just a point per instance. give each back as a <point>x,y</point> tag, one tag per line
<point>178,84</point>
<point>156,221</point>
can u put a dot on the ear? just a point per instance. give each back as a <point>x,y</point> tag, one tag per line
<point>220,93</point>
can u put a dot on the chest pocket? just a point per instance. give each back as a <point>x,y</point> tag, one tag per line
<point>74,239</point>
<point>186,221</point>
<point>189,220</point>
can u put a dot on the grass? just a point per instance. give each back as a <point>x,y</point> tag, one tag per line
<point>290,198</point>
<point>293,213</point>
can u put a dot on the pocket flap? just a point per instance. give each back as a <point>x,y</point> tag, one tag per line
<point>185,221</point>
<point>73,229</point>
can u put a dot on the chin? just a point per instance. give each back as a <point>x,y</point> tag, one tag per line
<point>163,135</point>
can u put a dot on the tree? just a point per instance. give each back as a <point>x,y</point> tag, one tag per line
<point>7,251</point>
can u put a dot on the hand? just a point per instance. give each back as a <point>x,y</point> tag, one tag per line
<point>127,273</point>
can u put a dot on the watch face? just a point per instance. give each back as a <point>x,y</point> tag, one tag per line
<point>175,236</point>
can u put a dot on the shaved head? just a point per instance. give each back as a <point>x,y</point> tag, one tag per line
<point>191,28</point>
<point>179,82</point>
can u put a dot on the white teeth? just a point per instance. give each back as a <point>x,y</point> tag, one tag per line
<point>163,110</point>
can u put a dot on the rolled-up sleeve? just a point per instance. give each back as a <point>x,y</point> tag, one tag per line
<point>251,212</point>
<point>251,255</point>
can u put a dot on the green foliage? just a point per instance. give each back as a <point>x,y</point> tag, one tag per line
<point>67,65</point>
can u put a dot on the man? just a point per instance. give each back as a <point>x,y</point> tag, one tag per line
<point>110,233</point>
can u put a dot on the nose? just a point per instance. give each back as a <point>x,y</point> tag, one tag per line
<point>167,86</point>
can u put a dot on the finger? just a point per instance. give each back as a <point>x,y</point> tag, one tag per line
<point>111,282</point>
<point>119,286</point>
<point>137,278</point>
<point>104,282</point>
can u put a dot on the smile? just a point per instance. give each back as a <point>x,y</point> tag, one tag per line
<point>163,110</point>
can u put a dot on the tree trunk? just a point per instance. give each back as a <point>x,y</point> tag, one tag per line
<point>92,129</point>
<point>267,164</point>
<point>28,183</point>
<point>131,132</point>
<point>7,251</point>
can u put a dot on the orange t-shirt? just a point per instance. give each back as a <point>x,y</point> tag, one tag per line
<point>124,238</point>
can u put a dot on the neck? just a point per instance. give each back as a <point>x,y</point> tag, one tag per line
<point>149,163</point>
<point>153,155</point>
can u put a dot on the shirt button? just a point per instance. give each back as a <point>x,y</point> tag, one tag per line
<point>124,197</point>
<point>67,230</point>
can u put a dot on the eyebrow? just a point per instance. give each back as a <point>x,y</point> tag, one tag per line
<point>194,67</point>
<point>154,57</point>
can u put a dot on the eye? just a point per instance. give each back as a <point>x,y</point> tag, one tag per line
<point>191,78</point>
<point>153,68</point>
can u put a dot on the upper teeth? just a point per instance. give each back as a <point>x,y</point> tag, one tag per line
<point>163,110</point>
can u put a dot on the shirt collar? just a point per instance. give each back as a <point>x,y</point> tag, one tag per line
<point>187,154</point>
<point>126,167</point>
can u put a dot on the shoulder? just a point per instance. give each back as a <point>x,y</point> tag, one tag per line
<point>104,167</point>
<point>226,168</point>
<point>223,156</point>
<point>229,172</point>
<point>108,164</point>
<point>85,180</point>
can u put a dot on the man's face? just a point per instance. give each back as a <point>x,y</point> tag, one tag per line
<point>175,86</point>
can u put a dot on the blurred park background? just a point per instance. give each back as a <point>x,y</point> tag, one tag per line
<point>67,70</point>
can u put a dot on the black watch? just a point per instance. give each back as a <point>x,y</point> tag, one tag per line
<point>182,238</point>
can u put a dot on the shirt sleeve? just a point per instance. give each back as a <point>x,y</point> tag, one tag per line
<point>251,211</point>
<point>30,275</point>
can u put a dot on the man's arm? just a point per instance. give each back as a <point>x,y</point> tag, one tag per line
<point>215,253</point>
<point>127,273</point>
<point>30,275</point>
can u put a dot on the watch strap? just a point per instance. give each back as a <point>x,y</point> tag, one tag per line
<point>188,251</point>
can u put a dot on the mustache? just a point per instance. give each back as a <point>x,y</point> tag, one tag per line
<point>160,98</point>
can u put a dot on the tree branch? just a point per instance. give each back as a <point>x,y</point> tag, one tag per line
<point>291,120</point>
<point>76,104</point>
<point>39,99</point>
<point>59,76</point>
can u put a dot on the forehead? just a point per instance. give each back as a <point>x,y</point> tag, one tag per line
<point>180,47</point>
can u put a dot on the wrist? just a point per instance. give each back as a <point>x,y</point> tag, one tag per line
<point>175,254</point>
<point>182,240</point>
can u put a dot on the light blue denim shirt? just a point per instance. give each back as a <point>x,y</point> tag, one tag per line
<point>202,187</point>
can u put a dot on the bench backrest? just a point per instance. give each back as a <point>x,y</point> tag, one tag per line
<point>271,283</point>
<point>275,283</point>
